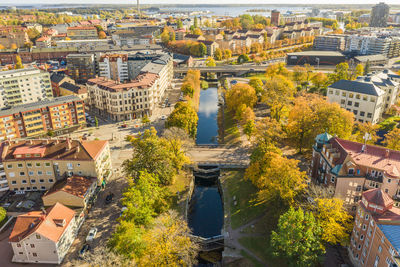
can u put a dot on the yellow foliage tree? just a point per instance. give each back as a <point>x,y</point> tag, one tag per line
<point>240,94</point>
<point>334,220</point>
<point>392,139</point>
<point>362,128</point>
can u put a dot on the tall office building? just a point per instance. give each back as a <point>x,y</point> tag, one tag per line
<point>23,86</point>
<point>81,67</point>
<point>379,15</point>
<point>275,17</point>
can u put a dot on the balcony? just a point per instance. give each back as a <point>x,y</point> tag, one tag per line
<point>370,177</point>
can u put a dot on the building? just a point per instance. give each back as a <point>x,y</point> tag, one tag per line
<point>315,58</point>
<point>57,79</point>
<point>379,15</point>
<point>36,165</point>
<point>374,239</point>
<point>43,42</point>
<point>13,36</point>
<point>43,236</point>
<point>68,88</point>
<point>135,35</point>
<point>59,115</point>
<point>374,60</point>
<point>211,47</point>
<point>24,86</point>
<point>329,43</point>
<point>275,17</point>
<point>81,67</point>
<point>351,168</point>
<point>114,67</point>
<point>368,97</point>
<point>82,32</point>
<point>75,191</point>
<point>150,76</point>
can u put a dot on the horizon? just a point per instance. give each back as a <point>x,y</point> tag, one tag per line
<point>203,3</point>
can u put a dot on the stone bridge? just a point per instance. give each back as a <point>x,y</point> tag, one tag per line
<point>220,156</point>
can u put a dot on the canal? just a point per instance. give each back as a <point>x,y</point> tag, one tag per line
<point>205,216</point>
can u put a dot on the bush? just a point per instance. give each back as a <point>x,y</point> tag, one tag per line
<point>3,214</point>
<point>204,84</point>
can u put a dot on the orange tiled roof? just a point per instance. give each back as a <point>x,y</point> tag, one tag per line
<point>144,80</point>
<point>82,28</point>
<point>378,197</point>
<point>75,185</point>
<point>43,224</point>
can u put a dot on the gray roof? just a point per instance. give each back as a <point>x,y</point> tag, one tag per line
<point>371,58</point>
<point>367,88</point>
<point>317,53</point>
<point>392,232</point>
<point>40,104</point>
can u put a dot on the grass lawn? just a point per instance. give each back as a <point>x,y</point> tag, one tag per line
<point>257,75</point>
<point>250,259</point>
<point>247,207</point>
<point>229,131</point>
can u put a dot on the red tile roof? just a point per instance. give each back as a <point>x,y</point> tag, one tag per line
<point>375,157</point>
<point>44,224</point>
<point>76,185</point>
<point>378,197</point>
<point>82,28</point>
<point>143,80</point>
<point>22,150</point>
<point>43,38</point>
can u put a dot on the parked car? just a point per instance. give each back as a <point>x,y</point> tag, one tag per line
<point>163,117</point>
<point>124,125</point>
<point>163,105</point>
<point>92,234</point>
<point>109,198</point>
<point>233,82</point>
<point>169,104</point>
<point>83,250</point>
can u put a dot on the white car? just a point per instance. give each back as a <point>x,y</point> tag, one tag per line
<point>163,117</point>
<point>92,234</point>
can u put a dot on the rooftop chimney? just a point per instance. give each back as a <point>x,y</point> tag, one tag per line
<point>387,153</point>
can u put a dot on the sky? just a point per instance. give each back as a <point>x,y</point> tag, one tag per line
<point>28,2</point>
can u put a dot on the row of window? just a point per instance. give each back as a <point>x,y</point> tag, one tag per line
<point>352,95</point>
<point>33,181</point>
<point>37,164</point>
<point>34,188</point>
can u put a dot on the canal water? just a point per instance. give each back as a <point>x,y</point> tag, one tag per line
<point>205,216</point>
<point>207,127</point>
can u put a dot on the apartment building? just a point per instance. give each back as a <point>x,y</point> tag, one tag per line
<point>368,44</point>
<point>24,86</point>
<point>81,67</point>
<point>13,36</point>
<point>114,67</point>
<point>374,239</point>
<point>379,15</point>
<point>82,32</point>
<point>368,97</point>
<point>60,115</point>
<point>150,76</point>
<point>43,236</point>
<point>36,165</point>
<point>43,42</point>
<point>329,43</point>
<point>351,168</point>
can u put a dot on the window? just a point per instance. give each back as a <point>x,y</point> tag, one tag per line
<point>351,95</point>
<point>356,199</point>
<point>34,188</point>
<point>351,171</point>
<point>362,237</point>
<point>379,249</point>
<point>43,188</point>
<point>51,180</point>
<point>22,173</point>
<point>349,103</point>
<point>32,245</point>
<point>9,166</point>
<point>48,172</point>
<point>343,93</point>
<point>362,113</point>
<point>37,164</point>
<point>47,164</point>
<point>376,261</point>
<point>383,239</point>
<point>23,181</point>
<point>389,180</point>
<point>333,179</point>
<point>20,253</point>
<point>69,166</point>
<point>358,189</point>
<point>39,172</point>
<point>31,173</point>
<point>18,245</point>
<point>369,115</point>
<point>34,254</point>
<point>355,111</point>
<point>33,181</point>
<point>29,164</point>
<point>367,217</point>
<point>19,165</point>
<point>11,174</point>
<point>364,227</point>
<point>38,236</point>
<point>356,104</point>
<point>13,182</point>
<point>342,101</point>
<point>41,180</point>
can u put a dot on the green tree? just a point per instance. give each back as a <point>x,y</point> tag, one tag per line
<point>243,58</point>
<point>367,67</point>
<point>3,214</point>
<point>96,122</point>
<point>341,72</point>
<point>187,89</point>
<point>150,153</point>
<point>145,120</point>
<point>196,22</point>
<point>202,48</point>
<point>179,24</point>
<point>184,116</point>
<point>127,240</point>
<point>298,238</point>
<point>249,128</point>
<point>257,84</point>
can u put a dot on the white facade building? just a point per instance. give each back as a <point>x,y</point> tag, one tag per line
<point>24,86</point>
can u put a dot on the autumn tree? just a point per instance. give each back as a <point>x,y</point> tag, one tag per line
<point>243,58</point>
<point>184,116</point>
<point>319,80</point>
<point>187,89</point>
<point>312,114</point>
<point>392,139</point>
<point>227,54</point>
<point>264,170</point>
<point>218,54</point>
<point>102,35</point>
<point>257,84</point>
<point>341,72</point>
<point>3,214</point>
<point>168,243</point>
<point>278,94</point>
<point>240,94</point>
<point>103,256</point>
<point>298,238</point>
<point>18,63</point>
<point>335,221</point>
<point>276,69</point>
<point>361,129</point>
<point>145,120</point>
<point>210,62</point>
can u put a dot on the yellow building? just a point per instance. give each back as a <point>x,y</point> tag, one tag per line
<point>36,165</point>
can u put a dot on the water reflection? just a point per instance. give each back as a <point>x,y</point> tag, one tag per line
<point>207,129</point>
